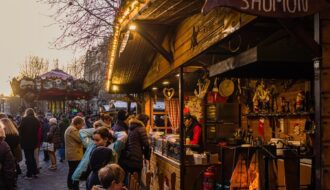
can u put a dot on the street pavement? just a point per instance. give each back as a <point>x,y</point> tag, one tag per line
<point>47,179</point>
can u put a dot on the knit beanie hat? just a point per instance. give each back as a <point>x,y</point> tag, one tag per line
<point>122,115</point>
<point>100,157</point>
<point>144,118</point>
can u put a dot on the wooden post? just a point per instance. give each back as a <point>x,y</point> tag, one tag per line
<point>64,107</point>
<point>129,107</point>
<point>317,105</point>
<point>181,128</point>
<point>323,168</point>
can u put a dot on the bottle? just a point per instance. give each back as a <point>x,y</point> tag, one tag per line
<point>283,105</point>
<point>307,102</point>
<point>187,140</point>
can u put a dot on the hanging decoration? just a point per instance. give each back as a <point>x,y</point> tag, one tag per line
<point>261,128</point>
<point>202,88</point>
<point>239,88</point>
<point>168,93</point>
<point>194,107</point>
<point>172,109</point>
<point>155,98</point>
<point>226,88</point>
<point>215,90</point>
<point>261,98</point>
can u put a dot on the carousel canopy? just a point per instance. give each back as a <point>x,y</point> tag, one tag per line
<point>56,73</point>
<point>53,85</point>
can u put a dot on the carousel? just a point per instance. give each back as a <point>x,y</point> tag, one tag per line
<point>54,91</point>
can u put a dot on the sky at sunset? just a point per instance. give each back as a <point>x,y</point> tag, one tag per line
<point>25,31</point>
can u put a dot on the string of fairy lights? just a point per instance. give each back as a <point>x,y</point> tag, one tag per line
<point>128,13</point>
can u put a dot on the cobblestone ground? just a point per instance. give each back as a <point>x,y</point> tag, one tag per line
<point>47,179</point>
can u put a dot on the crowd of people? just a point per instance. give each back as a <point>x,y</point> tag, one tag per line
<point>101,152</point>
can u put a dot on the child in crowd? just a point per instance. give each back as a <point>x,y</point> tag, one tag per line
<point>100,156</point>
<point>111,178</point>
<point>86,136</point>
<point>54,140</point>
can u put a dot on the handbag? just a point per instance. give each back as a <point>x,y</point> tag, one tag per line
<point>47,146</point>
<point>50,147</point>
<point>44,146</point>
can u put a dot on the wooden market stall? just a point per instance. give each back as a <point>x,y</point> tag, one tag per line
<point>256,83</point>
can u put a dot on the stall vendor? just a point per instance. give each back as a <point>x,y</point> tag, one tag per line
<point>193,131</point>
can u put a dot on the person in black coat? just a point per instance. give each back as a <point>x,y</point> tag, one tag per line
<point>100,157</point>
<point>28,131</point>
<point>122,123</point>
<point>7,165</point>
<point>64,124</point>
<point>137,146</point>
<point>12,138</point>
<point>44,130</point>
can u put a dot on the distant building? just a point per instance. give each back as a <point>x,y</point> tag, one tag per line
<point>10,105</point>
<point>95,71</point>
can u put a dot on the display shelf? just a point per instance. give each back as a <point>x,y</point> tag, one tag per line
<point>170,160</point>
<point>159,113</point>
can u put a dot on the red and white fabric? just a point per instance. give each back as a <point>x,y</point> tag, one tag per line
<point>172,109</point>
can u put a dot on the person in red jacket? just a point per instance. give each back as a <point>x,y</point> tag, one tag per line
<point>193,131</point>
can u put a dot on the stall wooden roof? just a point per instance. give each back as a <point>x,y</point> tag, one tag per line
<point>170,12</point>
<point>132,65</point>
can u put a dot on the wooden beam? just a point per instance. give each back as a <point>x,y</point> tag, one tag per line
<point>296,30</point>
<point>231,63</point>
<point>126,88</point>
<point>146,36</point>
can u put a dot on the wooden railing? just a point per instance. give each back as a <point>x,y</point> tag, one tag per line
<point>134,182</point>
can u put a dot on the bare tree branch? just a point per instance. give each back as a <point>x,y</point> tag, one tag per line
<point>76,68</point>
<point>84,23</point>
<point>33,67</point>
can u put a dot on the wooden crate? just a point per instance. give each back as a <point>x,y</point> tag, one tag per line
<point>325,77</point>
<point>325,106</point>
<point>326,55</point>
<point>325,25</point>
<point>326,155</point>
<point>325,129</point>
<point>325,14</point>
<point>326,175</point>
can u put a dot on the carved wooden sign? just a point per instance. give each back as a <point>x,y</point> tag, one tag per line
<point>269,8</point>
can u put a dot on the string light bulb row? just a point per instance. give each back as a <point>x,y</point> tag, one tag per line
<point>115,42</point>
